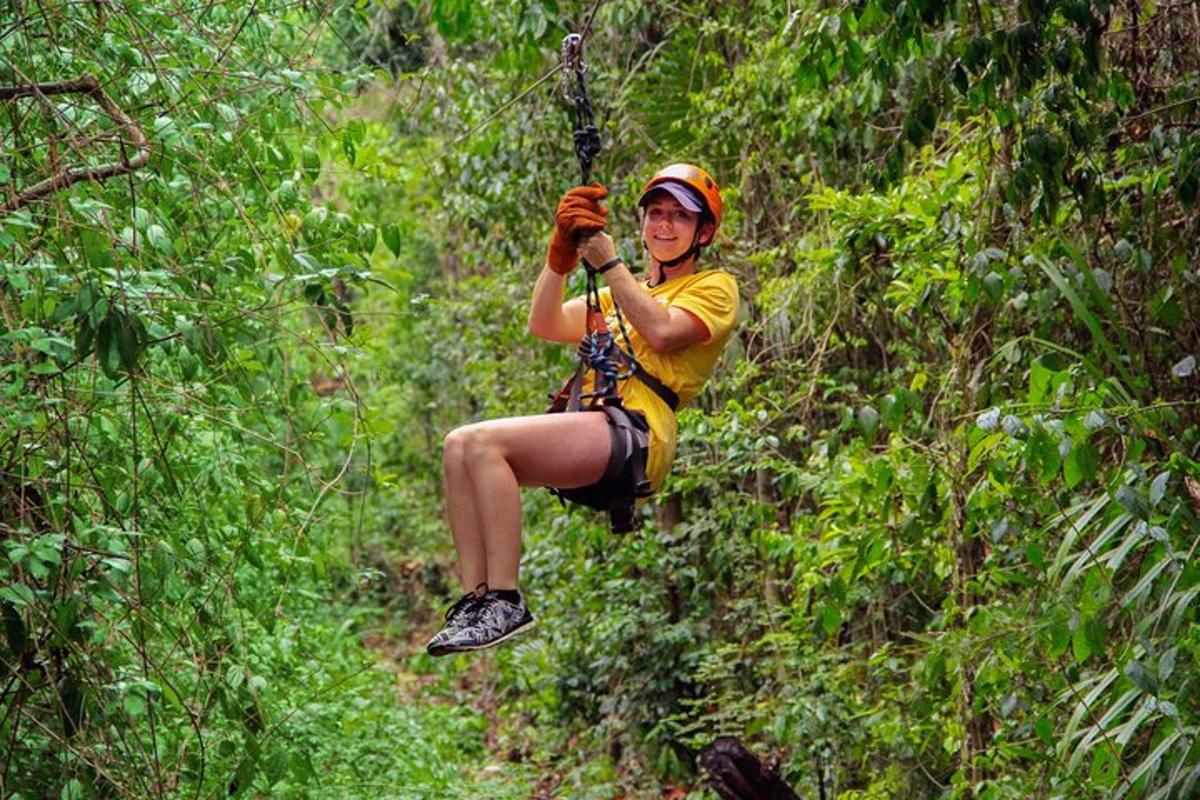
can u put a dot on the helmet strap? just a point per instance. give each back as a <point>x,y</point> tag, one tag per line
<point>692,251</point>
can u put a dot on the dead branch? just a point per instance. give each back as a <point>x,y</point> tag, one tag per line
<point>86,84</point>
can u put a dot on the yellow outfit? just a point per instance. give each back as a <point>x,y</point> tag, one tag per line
<point>712,296</point>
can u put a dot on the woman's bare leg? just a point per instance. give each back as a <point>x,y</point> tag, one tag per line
<point>486,464</point>
<point>463,515</point>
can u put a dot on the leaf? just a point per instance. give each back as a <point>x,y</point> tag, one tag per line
<point>1042,457</point>
<point>314,219</point>
<point>1103,279</point>
<point>1081,646</point>
<point>993,285</point>
<point>1014,426</point>
<point>391,237</point>
<point>127,342</point>
<point>1133,502</point>
<point>1151,761</point>
<point>983,449</point>
<point>1166,664</point>
<point>1044,380</point>
<point>307,261</point>
<point>1123,250</point>
<point>84,335</point>
<point>97,248</point>
<point>157,236</point>
<point>1036,556</point>
<point>1158,488</point>
<point>1044,731</point>
<point>988,420</point>
<point>868,421</point>
<point>831,618</point>
<point>1060,639</point>
<point>1080,464</point>
<point>252,555</point>
<point>367,238</point>
<point>1142,677</point>
<point>310,160</point>
<point>134,705</point>
<point>1104,771</point>
<point>108,353</point>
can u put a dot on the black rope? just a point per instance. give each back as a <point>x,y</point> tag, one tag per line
<point>574,78</point>
<point>598,350</point>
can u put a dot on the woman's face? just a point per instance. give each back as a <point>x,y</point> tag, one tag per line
<point>667,227</point>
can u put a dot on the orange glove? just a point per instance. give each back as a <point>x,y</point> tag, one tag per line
<point>579,213</point>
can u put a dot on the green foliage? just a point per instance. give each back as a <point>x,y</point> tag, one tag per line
<point>929,514</point>
<point>173,492</point>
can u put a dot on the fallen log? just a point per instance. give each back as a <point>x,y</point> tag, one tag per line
<point>734,773</point>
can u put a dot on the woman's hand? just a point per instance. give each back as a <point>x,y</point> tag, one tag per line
<point>597,248</point>
<point>579,213</point>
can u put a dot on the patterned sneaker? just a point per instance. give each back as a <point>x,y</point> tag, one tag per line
<point>495,620</point>
<point>458,616</point>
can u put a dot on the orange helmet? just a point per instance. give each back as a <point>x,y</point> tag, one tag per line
<point>694,178</point>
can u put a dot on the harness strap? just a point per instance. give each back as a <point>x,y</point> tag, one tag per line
<point>666,393</point>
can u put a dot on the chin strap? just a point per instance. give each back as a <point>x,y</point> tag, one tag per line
<point>693,250</point>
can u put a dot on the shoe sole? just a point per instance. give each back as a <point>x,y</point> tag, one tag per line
<point>447,650</point>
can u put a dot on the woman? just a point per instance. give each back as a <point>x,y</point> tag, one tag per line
<point>678,321</point>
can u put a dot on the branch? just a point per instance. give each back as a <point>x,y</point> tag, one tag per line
<point>86,84</point>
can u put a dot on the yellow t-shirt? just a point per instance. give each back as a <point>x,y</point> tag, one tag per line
<point>712,296</point>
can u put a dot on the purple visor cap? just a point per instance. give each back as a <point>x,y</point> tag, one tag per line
<point>686,197</point>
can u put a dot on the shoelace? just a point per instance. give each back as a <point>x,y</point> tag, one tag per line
<point>467,601</point>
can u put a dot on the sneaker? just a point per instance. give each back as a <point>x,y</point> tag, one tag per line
<point>458,616</point>
<point>493,621</point>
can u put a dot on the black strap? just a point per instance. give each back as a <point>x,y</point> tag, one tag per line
<point>607,265</point>
<point>694,250</point>
<point>665,392</point>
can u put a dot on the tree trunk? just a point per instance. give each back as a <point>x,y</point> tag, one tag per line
<point>735,773</point>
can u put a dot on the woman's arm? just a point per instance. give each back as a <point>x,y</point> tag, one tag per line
<point>665,329</point>
<point>549,317</point>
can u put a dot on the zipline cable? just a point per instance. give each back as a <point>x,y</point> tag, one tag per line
<point>550,73</point>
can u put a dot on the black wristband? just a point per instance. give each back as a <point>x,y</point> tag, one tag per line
<point>607,265</point>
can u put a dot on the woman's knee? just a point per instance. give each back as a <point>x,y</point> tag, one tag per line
<point>467,442</point>
<point>454,449</point>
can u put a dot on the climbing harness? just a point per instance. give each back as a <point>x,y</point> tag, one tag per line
<point>624,480</point>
